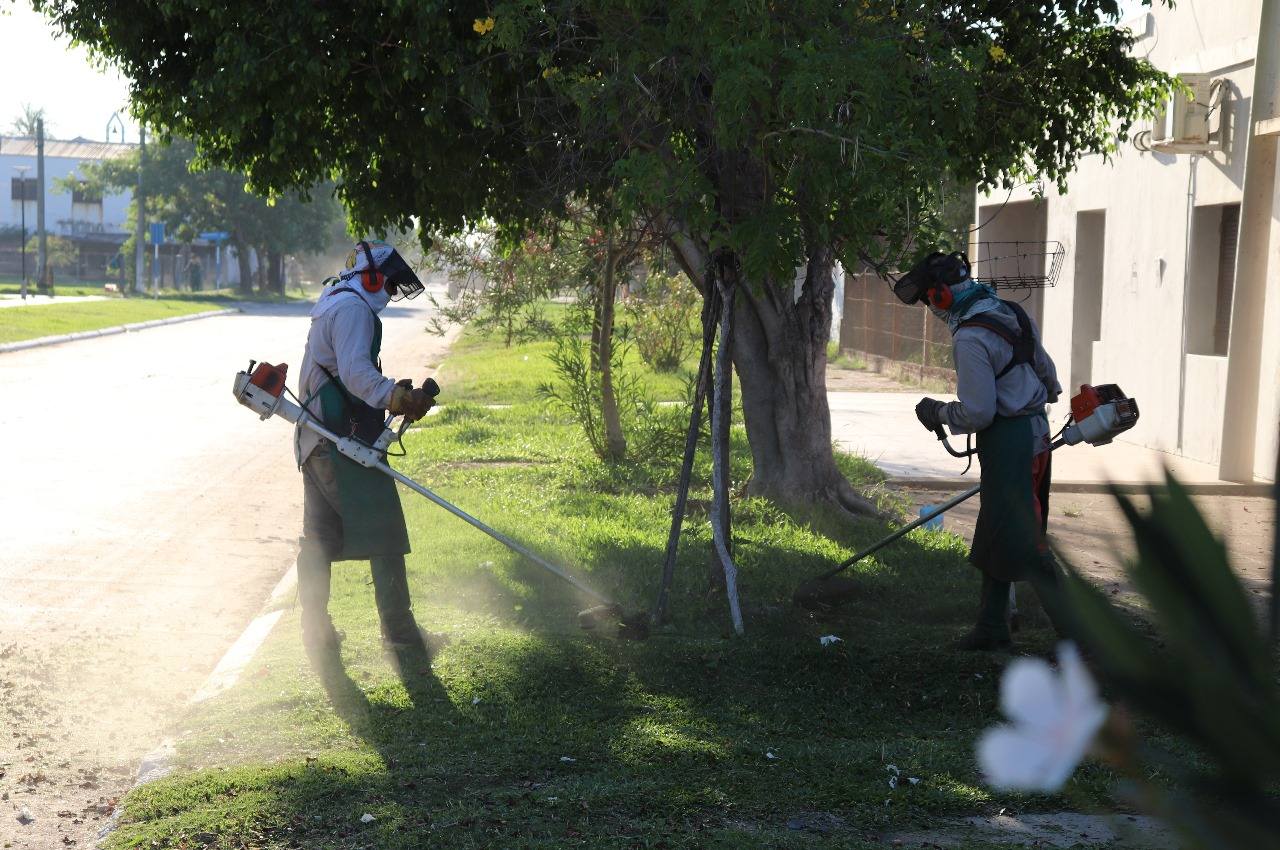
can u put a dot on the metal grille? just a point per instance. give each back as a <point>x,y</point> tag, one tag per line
<point>1019,265</point>
<point>878,325</point>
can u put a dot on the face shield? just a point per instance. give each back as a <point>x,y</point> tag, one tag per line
<point>401,281</point>
<point>933,272</point>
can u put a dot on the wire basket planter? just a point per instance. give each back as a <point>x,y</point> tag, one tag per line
<point>1019,265</point>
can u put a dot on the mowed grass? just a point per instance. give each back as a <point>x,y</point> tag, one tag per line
<point>527,732</point>
<point>482,369</point>
<point>52,319</point>
<point>22,323</point>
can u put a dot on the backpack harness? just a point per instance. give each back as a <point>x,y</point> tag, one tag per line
<point>1024,343</point>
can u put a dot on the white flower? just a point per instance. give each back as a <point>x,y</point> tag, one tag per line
<point>827,640</point>
<point>1054,719</point>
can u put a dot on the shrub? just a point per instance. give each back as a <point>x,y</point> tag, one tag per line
<point>663,320</point>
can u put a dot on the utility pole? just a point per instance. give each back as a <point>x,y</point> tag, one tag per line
<point>140,214</point>
<point>42,263</point>
<point>22,181</point>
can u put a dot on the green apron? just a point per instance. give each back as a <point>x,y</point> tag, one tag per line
<point>1006,537</point>
<point>372,519</point>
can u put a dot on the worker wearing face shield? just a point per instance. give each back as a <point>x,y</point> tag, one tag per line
<point>1004,379</point>
<point>351,512</point>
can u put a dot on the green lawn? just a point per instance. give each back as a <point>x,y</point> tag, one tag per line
<point>527,732</point>
<point>12,286</point>
<point>21,323</point>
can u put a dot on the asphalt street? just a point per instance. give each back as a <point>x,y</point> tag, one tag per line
<point>144,519</point>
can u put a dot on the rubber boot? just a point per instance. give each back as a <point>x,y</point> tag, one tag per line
<point>314,572</point>
<point>992,629</point>
<point>395,612</point>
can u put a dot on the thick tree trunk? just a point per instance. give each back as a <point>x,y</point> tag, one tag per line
<point>780,351</point>
<point>615,441</point>
<point>276,272</point>
<point>245,287</point>
<point>260,255</point>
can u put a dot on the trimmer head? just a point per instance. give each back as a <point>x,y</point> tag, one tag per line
<point>632,627</point>
<point>822,593</point>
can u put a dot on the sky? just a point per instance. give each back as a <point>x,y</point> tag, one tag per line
<point>45,71</point>
<point>42,69</point>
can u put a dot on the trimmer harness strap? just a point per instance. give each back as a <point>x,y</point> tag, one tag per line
<point>1023,343</point>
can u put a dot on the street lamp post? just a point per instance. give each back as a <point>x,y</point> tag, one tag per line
<point>22,181</point>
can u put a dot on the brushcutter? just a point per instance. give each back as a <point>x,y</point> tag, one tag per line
<point>262,390</point>
<point>1098,415</point>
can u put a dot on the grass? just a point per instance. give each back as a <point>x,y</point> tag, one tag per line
<point>13,286</point>
<point>526,732</point>
<point>51,319</point>
<point>484,371</point>
<point>22,323</point>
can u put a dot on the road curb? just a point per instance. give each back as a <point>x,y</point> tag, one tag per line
<point>1195,488</point>
<point>158,763</point>
<point>41,341</point>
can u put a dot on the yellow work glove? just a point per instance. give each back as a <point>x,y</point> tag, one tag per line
<point>408,401</point>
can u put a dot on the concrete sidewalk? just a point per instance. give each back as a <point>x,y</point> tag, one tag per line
<point>882,427</point>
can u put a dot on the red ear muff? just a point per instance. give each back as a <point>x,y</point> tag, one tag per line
<point>370,278</point>
<point>940,297</point>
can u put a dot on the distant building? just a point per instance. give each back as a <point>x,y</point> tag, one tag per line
<point>1160,290</point>
<point>96,224</point>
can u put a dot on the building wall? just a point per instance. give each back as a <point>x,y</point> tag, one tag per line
<point>58,204</point>
<point>1150,223</point>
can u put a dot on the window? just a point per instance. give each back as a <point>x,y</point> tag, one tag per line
<point>1228,240</point>
<point>1090,265</point>
<point>84,194</point>
<point>1211,278</point>
<point>23,189</point>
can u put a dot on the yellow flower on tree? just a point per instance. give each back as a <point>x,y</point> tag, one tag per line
<point>482,25</point>
<point>997,53</point>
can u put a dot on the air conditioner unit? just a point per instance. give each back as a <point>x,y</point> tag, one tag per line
<point>1182,124</point>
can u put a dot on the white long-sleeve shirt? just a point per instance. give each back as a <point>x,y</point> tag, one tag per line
<point>980,355</point>
<point>340,340</point>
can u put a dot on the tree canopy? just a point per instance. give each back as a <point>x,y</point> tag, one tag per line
<point>757,123</point>
<point>771,135</point>
<point>191,200</point>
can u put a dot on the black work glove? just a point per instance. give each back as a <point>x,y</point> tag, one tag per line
<point>929,412</point>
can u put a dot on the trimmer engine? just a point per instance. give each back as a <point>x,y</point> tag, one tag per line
<point>261,389</point>
<point>1098,415</point>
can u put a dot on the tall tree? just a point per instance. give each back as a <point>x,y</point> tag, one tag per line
<point>765,136</point>
<point>26,122</point>
<point>190,199</point>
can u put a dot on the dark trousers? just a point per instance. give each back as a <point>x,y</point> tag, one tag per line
<point>321,542</point>
<point>993,608</point>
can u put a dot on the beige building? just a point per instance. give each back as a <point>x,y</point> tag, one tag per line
<point>1171,280</point>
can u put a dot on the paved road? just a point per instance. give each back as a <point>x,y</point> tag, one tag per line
<point>875,417</point>
<point>144,519</point>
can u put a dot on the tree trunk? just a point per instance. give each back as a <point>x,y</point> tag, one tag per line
<point>245,286</point>
<point>260,273</point>
<point>615,440</point>
<point>780,352</point>
<point>276,272</point>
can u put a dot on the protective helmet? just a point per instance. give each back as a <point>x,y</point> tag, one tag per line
<point>932,279</point>
<point>379,265</point>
